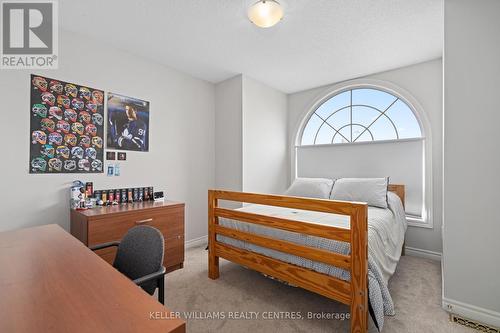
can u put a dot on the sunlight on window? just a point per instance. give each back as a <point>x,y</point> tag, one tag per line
<point>361,115</point>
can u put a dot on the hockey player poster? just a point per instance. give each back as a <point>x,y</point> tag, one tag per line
<point>128,123</point>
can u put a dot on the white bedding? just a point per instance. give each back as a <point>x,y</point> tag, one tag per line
<point>386,229</point>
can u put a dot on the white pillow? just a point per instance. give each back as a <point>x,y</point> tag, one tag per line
<point>310,188</point>
<point>373,191</point>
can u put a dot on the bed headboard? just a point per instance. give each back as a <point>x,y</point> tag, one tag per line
<point>399,190</point>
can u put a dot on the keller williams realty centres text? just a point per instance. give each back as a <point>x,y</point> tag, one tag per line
<point>249,315</point>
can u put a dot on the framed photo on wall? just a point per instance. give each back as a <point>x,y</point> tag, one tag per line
<point>122,156</point>
<point>66,127</point>
<point>128,123</point>
<point>110,155</point>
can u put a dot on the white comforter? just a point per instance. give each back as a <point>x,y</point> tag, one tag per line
<point>386,229</point>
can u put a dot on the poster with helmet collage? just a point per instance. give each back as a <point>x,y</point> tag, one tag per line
<point>67,127</point>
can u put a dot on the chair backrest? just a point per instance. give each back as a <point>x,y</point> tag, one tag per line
<point>140,253</point>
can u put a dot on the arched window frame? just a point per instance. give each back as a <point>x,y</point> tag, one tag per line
<point>426,221</point>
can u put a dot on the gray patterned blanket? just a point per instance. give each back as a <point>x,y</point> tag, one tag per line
<point>386,229</point>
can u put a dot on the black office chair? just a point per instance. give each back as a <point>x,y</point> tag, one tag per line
<point>140,258</point>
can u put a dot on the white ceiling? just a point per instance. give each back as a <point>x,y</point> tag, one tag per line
<point>318,41</point>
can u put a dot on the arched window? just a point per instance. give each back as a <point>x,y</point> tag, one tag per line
<point>368,128</point>
<point>360,115</point>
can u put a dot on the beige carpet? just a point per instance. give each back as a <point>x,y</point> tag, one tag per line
<point>240,293</point>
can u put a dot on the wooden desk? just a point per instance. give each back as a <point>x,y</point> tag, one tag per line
<point>50,282</point>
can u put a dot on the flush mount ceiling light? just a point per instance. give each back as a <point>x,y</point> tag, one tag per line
<point>265,13</point>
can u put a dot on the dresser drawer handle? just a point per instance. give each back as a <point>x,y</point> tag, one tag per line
<point>144,221</point>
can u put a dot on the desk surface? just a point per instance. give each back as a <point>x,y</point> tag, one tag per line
<point>49,281</point>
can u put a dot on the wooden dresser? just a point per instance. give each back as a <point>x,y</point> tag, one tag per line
<point>111,223</point>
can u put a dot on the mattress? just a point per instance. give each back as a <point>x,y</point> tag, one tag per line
<point>386,229</point>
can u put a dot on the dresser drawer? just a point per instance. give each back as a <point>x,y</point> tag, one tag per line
<point>107,254</point>
<point>111,223</point>
<point>174,251</point>
<point>169,221</point>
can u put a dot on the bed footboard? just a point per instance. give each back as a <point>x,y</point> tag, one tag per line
<point>353,292</point>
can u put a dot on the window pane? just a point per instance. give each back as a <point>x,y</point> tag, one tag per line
<point>310,130</point>
<point>363,120</point>
<point>340,118</point>
<point>376,98</point>
<point>333,104</point>
<point>363,133</point>
<point>338,139</point>
<point>382,129</point>
<point>345,137</point>
<point>405,120</point>
<point>363,115</point>
<point>325,135</point>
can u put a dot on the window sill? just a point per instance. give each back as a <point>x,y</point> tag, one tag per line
<point>414,221</point>
<point>359,143</point>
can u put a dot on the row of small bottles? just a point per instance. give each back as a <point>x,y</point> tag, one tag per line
<point>124,195</point>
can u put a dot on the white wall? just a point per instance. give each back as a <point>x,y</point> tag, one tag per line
<point>251,136</point>
<point>228,134</point>
<point>181,156</point>
<point>471,264</point>
<point>265,150</point>
<point>424,82</point>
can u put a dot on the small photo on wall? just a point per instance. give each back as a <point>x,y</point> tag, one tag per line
<point>110,155</point>
<point>128,123</point>
<point>122,156</point>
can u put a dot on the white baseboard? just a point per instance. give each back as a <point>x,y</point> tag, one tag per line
<point>472,312</point>
<point>413,251</point>
<point>203,240</point>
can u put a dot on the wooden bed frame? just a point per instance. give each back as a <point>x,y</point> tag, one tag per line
<point>353,293</point>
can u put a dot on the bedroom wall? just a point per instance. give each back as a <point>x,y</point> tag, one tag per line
<point>471,160</point>
<point>264,138</point>
<point>251,136</point>
<point>424,82</point>
<point>228,134</point>
<point>181,157</point>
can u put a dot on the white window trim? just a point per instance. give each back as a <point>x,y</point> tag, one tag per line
<point>363,142</point>
<point>426,221</point>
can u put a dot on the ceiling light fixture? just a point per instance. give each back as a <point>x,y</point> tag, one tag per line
<point>265,13</point>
